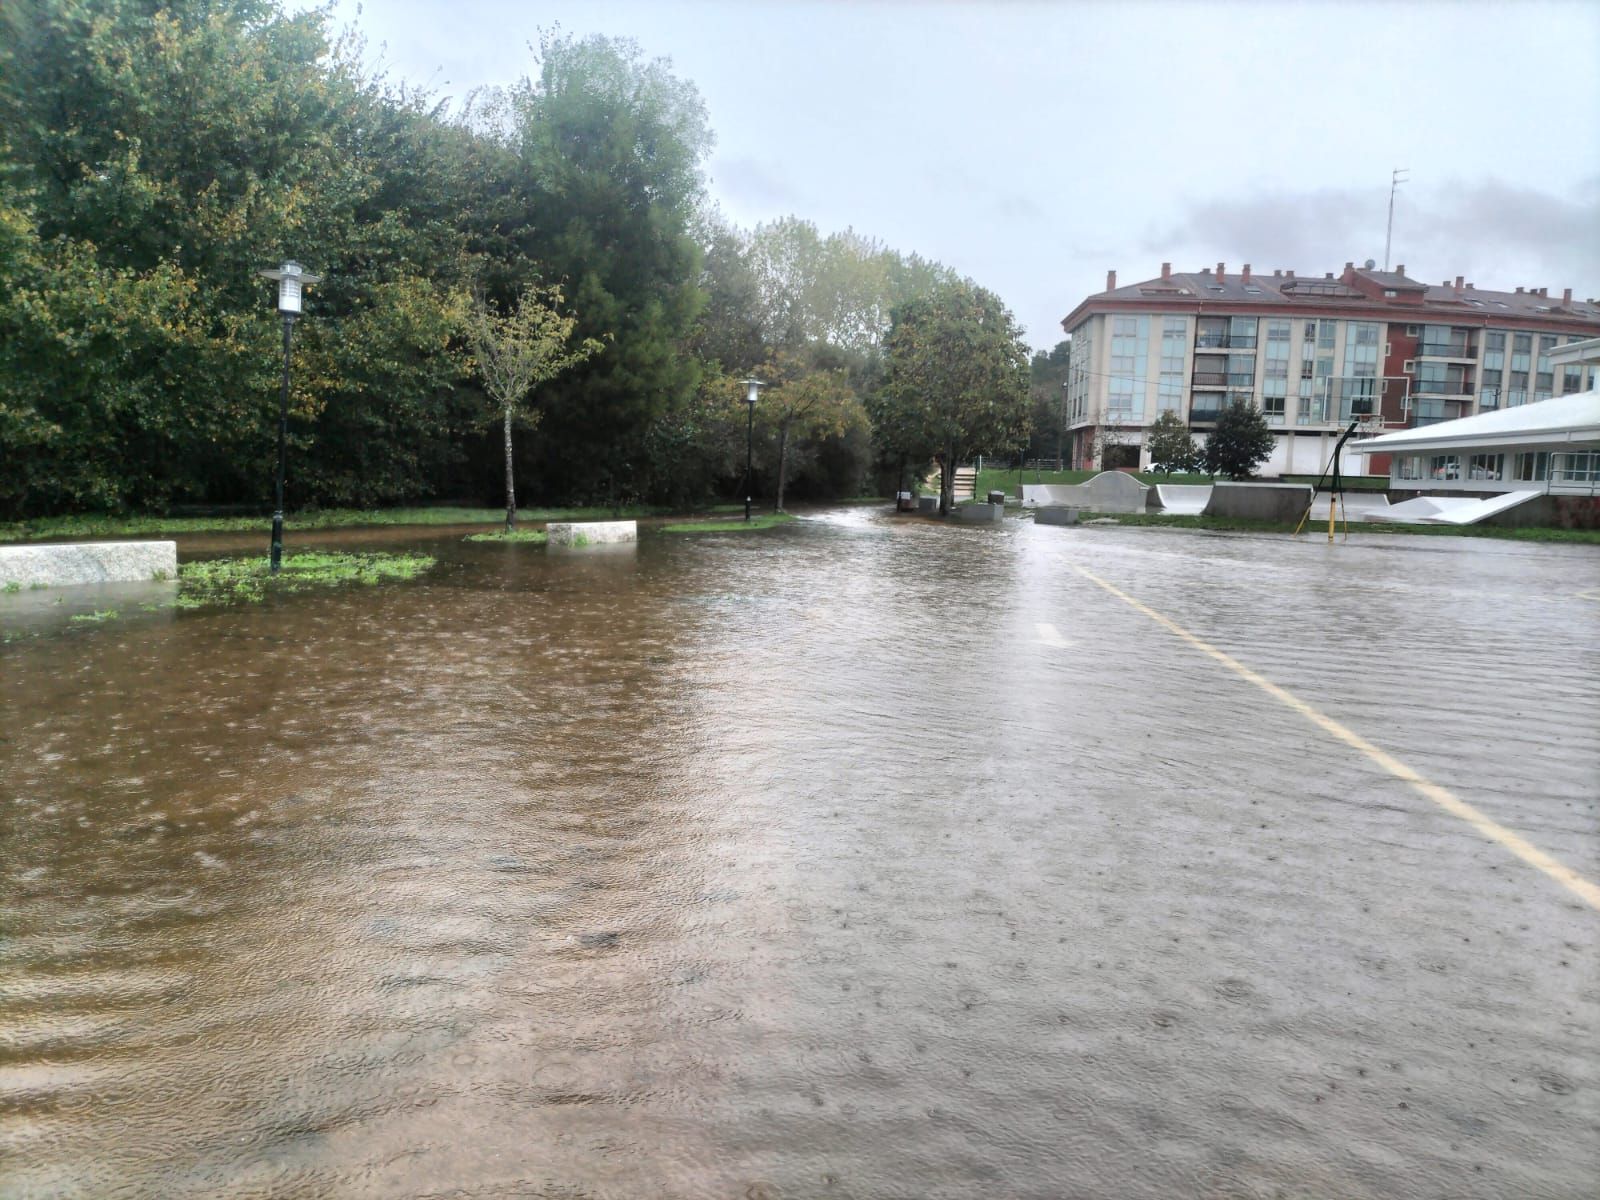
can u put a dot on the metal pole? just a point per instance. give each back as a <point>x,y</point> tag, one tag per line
<point>283,439</point>
<point>749,451</point>
<point>1394,184</point>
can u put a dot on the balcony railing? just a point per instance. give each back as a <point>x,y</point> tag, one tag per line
<point>1207,416</point>
<point>1447,350</point>
<point>1210,379</point>
<point>1242,381</point>
<point>1441,387</point>
<point>1224,341</point>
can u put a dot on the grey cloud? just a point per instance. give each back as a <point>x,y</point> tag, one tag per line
<point>1498,233</point>
<point>751,184</point>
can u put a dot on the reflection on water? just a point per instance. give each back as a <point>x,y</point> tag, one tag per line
<point>798,865</point>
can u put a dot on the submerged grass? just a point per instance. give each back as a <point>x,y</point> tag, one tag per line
<point>235,580</point>
<point>1245,525</point>
<point>532,537</point>
<point>730,524</point>
<point>82,526</point>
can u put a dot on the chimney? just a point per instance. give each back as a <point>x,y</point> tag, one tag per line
<point>1349,266</point>
<point>1470,286</point>
<point>1459,279</point>
<point>1205,270</point>
<point>1291,274</point>
<point>1277,272</point>
<point>1400,269</point>
<point>1244,276</point>
<point>1111,281</point>
<point>1544,291</point>
<point>1566,296</point>
<point>1221,269</point>
<point>1519,290</point>
<point>1327,274</point>
<point>1166,270</point>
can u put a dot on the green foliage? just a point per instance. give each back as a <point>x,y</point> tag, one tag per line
<point>226,580</point>
<point>958,380</point>
<point>1172,448</point>
<point>731,524</point>
<point>531,537</point>
<point>1241,440</point>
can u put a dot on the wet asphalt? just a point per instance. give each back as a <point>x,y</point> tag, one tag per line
<point>861,858</point>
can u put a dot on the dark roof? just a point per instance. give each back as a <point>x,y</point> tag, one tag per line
<point>1441,304</point>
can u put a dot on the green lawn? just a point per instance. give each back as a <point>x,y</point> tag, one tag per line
<point>730,524</point>
<point>91,526</point>
<point>228,580</point>
<point>531,537</point>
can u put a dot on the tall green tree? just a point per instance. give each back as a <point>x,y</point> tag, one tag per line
<point>516,351</point>
<point>1047,372</point>
<point>957,379</point>
<point>609,147</point>
<point>1172,446</point>
<point>1240,442</point>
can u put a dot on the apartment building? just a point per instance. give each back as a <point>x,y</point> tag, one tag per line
<point>1311,353</point>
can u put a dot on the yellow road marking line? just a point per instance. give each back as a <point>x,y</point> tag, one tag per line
<point>1518,845</point>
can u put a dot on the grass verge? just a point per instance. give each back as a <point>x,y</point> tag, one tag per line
<point>245,580</point>
<point>730,524</point>
<point>91,526</point>
<point>531,537</point>
<point>1244,525</point>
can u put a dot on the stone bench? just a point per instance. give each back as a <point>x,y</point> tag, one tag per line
<point>69,564</point>
<point>592,533</point>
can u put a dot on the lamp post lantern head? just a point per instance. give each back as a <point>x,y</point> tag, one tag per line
<point>754,386</point>
<point>292,278</point>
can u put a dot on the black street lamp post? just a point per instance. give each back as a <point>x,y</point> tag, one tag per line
<point>754,387</point>
<point>291,279</point>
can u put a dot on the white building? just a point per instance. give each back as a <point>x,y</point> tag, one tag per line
<point>1310,353</point>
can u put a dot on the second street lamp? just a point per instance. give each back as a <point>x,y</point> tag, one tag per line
<point>291,279</point>
<point>753,387</point>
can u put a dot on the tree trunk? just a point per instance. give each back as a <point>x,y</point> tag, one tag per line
<point>947,481</point>
<point>783,461</point>
<point>511,482</point>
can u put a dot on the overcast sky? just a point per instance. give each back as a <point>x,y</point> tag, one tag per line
<point>1035,145</point>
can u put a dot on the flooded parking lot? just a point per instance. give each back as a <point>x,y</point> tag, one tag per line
<point>861,858</point>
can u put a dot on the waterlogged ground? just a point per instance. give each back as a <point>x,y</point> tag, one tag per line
<point>859,858</point>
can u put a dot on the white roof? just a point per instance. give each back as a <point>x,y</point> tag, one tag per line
<point>1576,353</point>
<point>1574,418</point>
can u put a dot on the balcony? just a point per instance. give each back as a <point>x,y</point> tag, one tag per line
<point>1441,387</point>
<point>1206,415</point>
<point>1224,341</point>
<point>1209,379</point>
<point>1447,350</point>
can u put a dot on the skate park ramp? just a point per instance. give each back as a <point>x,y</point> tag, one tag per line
<point>1181,499</point>
<point>1450,510</point>
<point>1107,492</point>
<point>1356,506</point>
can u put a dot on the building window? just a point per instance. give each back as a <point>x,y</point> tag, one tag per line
<point>1211,333</point>
<point>1485,466</point>
<point>1272,409</point>
<point>1444,467</point>
<point>1488,397</point>
<point>1532,466</point>
<point>1413,330</point>
<point>1242,333</point>
<point>1576,467</point>
<point>1410,366</point>
<point>1522,343</point>
<point>1325,334</point>
<point>1389,293</point>
<point>1130,348</point>
<point>1495,340</point>
<point>1571,380</point>
<point>1408,466</point>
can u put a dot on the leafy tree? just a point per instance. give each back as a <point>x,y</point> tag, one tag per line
<point>1171,446</point>
<point>1241,440</point>
<point>813,405</point>
<point>958,373</point>
<point>1047,372</point>
<point>608,149</point>
<point>518,350</point>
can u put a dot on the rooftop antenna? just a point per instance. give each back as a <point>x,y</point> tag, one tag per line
<point>1395,180</point>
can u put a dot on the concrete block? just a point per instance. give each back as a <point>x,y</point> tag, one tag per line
<point>64,565</point>
<point>592,533</point>
<point>927,504</point>
<point>1055,514</point>
<point>980,514</point>
<point>1259,501</point>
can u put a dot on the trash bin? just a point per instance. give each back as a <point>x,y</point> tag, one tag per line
<point>997,498</point>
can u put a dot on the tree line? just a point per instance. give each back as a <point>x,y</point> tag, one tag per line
<point>156,154</point>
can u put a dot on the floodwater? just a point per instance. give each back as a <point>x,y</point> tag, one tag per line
<point>862,858</point>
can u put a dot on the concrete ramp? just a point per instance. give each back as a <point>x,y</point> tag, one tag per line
<point>1107,492</point>
<point>1181,499</point>
<point>1284,502</point>
<point>1358,506</point>
<point>1450,510</point>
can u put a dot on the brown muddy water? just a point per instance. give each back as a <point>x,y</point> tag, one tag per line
<point>861,858</point>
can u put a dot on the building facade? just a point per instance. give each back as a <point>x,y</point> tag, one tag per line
<point>1311,353</point>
